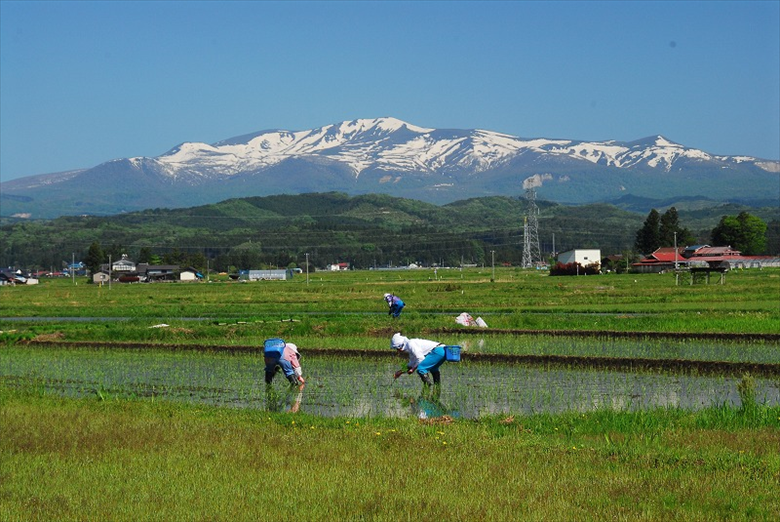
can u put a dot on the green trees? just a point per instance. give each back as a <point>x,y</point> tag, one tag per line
<point>95,257</point>
<point>662,231</point>
<point>670,232</point>
<point>648,238</point>
<point>744,232</point>
<point>773,237</point>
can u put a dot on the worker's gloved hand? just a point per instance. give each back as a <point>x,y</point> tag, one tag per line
<point>301,380</point>
<point>398,374</point>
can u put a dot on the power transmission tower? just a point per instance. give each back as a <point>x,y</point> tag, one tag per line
<point>532,255</point>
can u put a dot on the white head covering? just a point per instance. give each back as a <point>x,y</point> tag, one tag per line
<point>387,295</point>
<point>398,341</point>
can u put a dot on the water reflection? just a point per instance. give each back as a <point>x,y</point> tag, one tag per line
<point>427,405</point>
<point>363,387</point>
<point>286,400</point>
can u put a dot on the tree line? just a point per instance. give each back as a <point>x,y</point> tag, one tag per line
<point>364,231</point>
<point>744,232</point>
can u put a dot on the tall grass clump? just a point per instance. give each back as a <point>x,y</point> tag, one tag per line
<point>747,393</point>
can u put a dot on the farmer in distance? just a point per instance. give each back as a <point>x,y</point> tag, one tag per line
<point>395,303</point>
<point>425,357</point>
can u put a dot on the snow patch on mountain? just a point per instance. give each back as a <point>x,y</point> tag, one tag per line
<point>393,145</point>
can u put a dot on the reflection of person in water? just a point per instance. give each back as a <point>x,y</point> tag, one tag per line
<point>287,401</point>
<point>428,405</point>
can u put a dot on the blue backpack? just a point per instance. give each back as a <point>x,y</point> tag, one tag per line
<point>274,347</point>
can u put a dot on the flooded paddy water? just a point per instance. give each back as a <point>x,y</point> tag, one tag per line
<point>364,386</point>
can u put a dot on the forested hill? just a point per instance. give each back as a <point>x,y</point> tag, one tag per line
<point>367,230</point>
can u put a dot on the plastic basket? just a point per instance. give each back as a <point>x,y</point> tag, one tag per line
<point>452,353</point>
<point>274,347</point>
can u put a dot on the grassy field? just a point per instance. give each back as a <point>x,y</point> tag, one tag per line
<point>140,459</point>
<point>63,460</point>
<point>332,306</point>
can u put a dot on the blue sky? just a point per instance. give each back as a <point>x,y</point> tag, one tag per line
<point>86,82</point>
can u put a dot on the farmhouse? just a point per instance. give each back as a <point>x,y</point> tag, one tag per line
<point>100,277</point>
<point>702,256</point>
<point>662,259</point>
<point>158,272</point>
<point>582,256</point>
<point>127,271</point>
<point>123,265</point>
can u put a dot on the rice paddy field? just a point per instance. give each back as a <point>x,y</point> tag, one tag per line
<point>629,397</point>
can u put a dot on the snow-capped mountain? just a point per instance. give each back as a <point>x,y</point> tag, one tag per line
<point>396,146</point>
<point>387,155</point>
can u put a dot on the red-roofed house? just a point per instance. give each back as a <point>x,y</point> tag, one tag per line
<point>702,256</point>
<point>662,259</point>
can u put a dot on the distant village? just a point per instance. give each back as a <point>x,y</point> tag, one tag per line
<point>692,259</point>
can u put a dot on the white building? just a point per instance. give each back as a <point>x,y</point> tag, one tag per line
<point>123,265</point>
<point>265,275</point>
<point>583,257</point>
<point>188,275</point>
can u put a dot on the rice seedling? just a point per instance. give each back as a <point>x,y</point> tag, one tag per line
<point>364,387</point>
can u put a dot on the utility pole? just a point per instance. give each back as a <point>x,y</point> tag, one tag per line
<point>493,262</point>
<point>73,268</point>
<point>553,250</point>
<point>307,268</point>
<point>675,252</point>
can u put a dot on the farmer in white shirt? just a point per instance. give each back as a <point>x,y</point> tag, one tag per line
<point>425,357</point>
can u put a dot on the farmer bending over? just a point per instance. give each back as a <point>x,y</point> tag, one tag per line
<point>425,357</point>
<point>282,355</point>
<point>395,304</point>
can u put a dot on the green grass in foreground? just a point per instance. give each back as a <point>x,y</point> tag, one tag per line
<point>64,459</point>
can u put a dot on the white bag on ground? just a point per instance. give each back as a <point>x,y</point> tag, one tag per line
<point>465,319</point>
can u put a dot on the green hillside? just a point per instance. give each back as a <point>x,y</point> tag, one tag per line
<point>366,231</point>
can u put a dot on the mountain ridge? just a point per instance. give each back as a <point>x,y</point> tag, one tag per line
<point>388,155</point>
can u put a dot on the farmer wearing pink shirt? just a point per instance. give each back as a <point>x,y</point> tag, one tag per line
<point>285,356</point>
